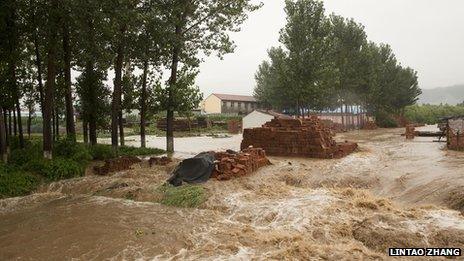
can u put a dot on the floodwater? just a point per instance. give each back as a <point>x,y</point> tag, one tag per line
<point>391,193</point>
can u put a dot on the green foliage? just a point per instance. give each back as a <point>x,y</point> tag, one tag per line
<point>14,182</point>
<point>133,151</point>
<point>187,196</point>
<point>325,62</point>
<point>102,152</point>
<point>385,120</point>
<point>58,169</point>
<point>69,149</point>
<point>430,114</point>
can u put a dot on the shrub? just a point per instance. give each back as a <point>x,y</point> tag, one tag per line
<point>188,196</point>
<point>133,151</point>
<point>59,168</point>
<point>385,120</point>
<point>102,152</point>
<point>15,183</point>
<point>67,148</point>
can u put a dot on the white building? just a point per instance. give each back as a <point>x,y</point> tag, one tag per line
<point>257,118</point>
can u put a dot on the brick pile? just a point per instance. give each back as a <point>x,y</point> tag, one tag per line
<point>334,126</point>
<point>159,161</point>
<point>298,138</point>
<point>455,140</point>
<point>116,165</point>
<point>232,165</point>
<point>370,125</point>
<point>234,126</point>
<point>410,131</point>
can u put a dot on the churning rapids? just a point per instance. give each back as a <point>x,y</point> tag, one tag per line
<point>390,193</point>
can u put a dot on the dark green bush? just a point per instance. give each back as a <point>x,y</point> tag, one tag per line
<point>385,120</point>
<point>69,149</point>
<point>132,151</point>
<point>102,152</point>
<point>59,168</point>
<point>15,183</point>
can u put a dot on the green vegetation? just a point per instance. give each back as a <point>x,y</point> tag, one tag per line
<point>327,63</point>
<point>430,114</point>
<point>187,196</point>
<point>27,168</point>
<point>14,182</point>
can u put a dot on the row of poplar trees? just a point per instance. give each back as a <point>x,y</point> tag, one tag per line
<point>325,62</point>
<point>56,55</point>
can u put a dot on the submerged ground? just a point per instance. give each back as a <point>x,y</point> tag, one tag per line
<point>391,193</point>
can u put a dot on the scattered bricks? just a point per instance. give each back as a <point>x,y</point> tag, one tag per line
<point>163,161</point>
<point>234,127</point>
<point>230,165</point>
<point>296,138</point>
<point>370,125</point>
<point>115,165</point>
<point>410,131</point>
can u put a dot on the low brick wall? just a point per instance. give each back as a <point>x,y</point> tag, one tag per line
<point>296,137</point>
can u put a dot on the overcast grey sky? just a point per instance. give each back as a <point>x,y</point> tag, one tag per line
<point>427,35</point>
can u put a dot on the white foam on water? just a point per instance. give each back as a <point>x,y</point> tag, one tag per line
<point>294,212</point>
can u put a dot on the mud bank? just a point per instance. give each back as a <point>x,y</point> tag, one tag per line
<point>391,193</point>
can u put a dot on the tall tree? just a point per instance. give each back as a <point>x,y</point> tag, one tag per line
<point>199,26</point>
<point>52,43</point>
<point>65,24</point>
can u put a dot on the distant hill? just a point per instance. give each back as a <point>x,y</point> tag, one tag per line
<point>451,95</point>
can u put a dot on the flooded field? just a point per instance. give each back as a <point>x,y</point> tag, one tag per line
<point>390,193</point>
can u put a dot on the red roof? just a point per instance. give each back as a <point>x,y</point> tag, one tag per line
<point>229,97</point>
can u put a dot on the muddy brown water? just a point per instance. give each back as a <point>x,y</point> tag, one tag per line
<point>391,193</point>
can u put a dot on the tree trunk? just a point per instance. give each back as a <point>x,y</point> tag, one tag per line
<point>3,142</point>
<point>143,101</point>
<point>116,103</point>
<point>70,125</point>
<point>121,128</point>
<point>57,125</point>
<point>38,63</point>
<point>85,130</point>
<point>15,123</point>
<point>93,132</point>
<point>10,124</point>
<point>50,86</point>
<point>342,115</point>
<point>171,105</point>
<point>53,126</point>
<point>29,122</point>
<point>20,124</point>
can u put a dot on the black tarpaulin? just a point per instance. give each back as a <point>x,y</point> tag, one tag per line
<point>194,170</point>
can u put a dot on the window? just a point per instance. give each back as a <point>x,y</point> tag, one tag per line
<point>232,104</point>
<point>239,105</point>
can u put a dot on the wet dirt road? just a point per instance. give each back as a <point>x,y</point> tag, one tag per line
<point>391,193</point>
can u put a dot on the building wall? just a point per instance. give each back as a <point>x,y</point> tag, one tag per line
<point>236,107</point>
<point>255,119</point>
<point>212,104</point>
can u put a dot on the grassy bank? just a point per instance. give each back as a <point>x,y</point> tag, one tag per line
<point>27,169</point>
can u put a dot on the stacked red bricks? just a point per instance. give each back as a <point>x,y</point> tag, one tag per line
<point>455,140</point>
<point>296,138</point>
<point>410,131</point>
<point>370,125</point>
<point>234,127</point>
<point>116,165</point>
<point>240,164</point>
